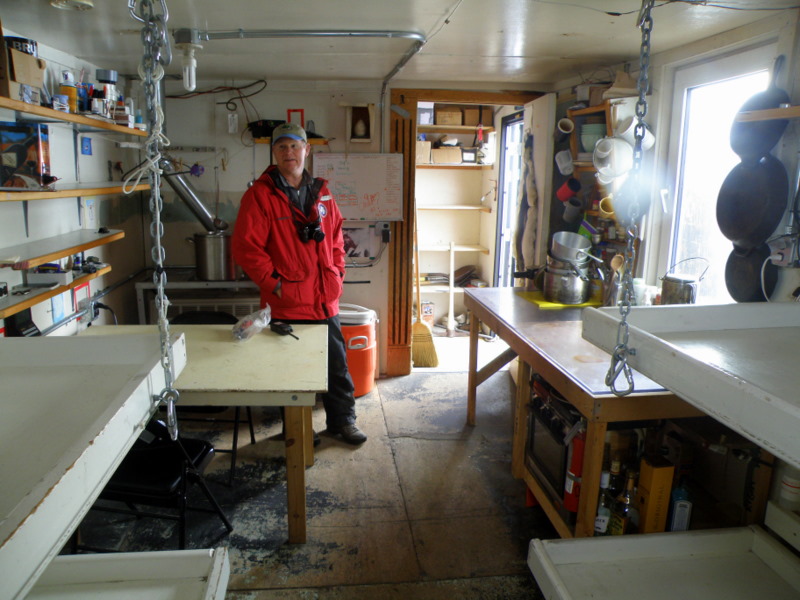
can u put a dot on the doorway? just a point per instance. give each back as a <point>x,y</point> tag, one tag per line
<point>507,205</point>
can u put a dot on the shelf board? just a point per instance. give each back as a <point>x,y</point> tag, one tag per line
<point>33,254</point>
<point>33,112</point>
<point>451,129</point>
<point>11,305</point>
<point>440,289</point>
<point>455,166</point>
<point>479,207</point>
<point>789,112</point>
<point>456,248</point>
<point>312,141</point>
<point>74,190</point>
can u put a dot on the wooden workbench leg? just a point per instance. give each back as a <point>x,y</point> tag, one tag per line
<point>472,380</point>
<point>520,437</point>
<point>590,479</point>
<point>308,436</point>
<point>295,475</point>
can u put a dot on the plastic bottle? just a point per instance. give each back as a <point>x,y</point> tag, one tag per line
<point>680,508</point>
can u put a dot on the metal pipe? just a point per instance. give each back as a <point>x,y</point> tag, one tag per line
<point>188,194</point>
<point>302,33</point>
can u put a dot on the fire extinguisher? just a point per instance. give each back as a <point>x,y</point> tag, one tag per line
<point>576,438</point>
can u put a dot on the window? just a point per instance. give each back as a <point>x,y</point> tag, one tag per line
<point>705,100</point>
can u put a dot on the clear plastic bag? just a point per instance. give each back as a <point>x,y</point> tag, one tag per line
<point>248,326</point>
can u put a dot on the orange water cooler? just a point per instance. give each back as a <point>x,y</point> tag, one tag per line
<point>358,329</point>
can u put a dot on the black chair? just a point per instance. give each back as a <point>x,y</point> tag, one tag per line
<point>207,317</point>
<point>157,472</point>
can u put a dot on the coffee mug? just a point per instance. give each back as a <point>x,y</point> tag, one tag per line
<point>573,210</point>
<point>570,187</point>
<point>625,131</point>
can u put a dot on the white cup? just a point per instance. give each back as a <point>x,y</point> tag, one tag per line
<point>613,157</point>
<point>564,162</point>
<point>625,130</point>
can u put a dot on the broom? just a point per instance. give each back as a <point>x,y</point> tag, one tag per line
<point>423,352</point>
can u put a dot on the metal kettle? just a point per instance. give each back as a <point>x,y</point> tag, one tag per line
<point>680,288</point>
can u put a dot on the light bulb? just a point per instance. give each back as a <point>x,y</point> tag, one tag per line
<point>189,64</point>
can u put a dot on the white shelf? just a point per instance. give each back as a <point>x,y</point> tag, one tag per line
<point>737,363</point>
<point>740,563</point>
<point>133,575</point>
<point>456,248</point>
<point>466,207</point>
<point>70,191</point>
<point>33,254</point>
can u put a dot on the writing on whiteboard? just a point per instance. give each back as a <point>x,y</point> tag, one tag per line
<point>367,187</point>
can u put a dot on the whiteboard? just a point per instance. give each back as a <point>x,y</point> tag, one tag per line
<point>366,187</point>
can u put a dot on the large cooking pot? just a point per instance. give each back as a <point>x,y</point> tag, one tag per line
<point>752,201</point>
<point>753,139</point>
<point>213,256</point>
<point>565,288</point>
<point>570,246</point>
<point>744,272</point>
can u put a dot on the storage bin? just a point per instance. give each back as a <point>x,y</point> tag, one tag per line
<point>358,329</point>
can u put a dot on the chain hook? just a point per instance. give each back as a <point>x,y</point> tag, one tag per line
<point>619,357</point>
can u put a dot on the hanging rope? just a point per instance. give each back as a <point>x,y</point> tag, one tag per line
<point>156,54</point>
<point>633,198</point>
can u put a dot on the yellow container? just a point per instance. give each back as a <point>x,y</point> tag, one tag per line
<point>71,92</point>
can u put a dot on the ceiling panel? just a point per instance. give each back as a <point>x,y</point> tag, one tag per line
<point>520,41</point>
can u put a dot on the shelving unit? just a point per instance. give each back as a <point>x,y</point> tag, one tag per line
<point>11,305</point>
<point>451,129</point>
<point>33,254</point>
<point>41,114</point>
<point>75,190</point>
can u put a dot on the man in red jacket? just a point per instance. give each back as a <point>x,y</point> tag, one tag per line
<point>288,239</point>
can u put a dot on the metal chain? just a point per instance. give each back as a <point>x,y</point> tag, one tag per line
<point>156,54</point>
<point>621,352</point>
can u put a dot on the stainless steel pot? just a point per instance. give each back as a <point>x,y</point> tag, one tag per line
<point>680,288</point>
<point>213,256</point>
<point>565,288</point>
<point>567,245</point>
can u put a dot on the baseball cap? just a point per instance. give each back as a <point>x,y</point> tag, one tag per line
<point>290,130</point>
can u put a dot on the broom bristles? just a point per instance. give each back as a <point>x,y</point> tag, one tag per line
<point>423,351</point>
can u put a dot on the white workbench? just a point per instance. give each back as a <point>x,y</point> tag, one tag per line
<point>737,363</point>
<point>72,408</point>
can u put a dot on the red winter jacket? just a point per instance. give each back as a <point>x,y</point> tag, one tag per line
<point>266,244</point>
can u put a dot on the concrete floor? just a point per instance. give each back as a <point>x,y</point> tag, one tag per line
<point>426,509</point>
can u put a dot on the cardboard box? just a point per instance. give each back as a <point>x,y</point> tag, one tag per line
<point>423,155</point>
<point>653,493</point>
<point>21,76</point>
<point>448,115</point>
<point>24,155</point>
<point>447,155</point>
<point>479,115</point>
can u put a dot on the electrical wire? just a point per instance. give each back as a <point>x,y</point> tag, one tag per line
<point>763,284</point>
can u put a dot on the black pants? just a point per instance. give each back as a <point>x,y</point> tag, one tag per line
<point>338,401</point>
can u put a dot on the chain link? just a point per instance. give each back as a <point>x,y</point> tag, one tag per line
<point>619,356</point>
<point>156,54</point>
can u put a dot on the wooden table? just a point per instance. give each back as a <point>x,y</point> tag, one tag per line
<point>266,370</point>
<point>549,342</point>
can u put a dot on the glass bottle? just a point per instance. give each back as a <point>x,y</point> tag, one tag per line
<point>616,480</point>
<point>622,512</point>
<point>604,503</point>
